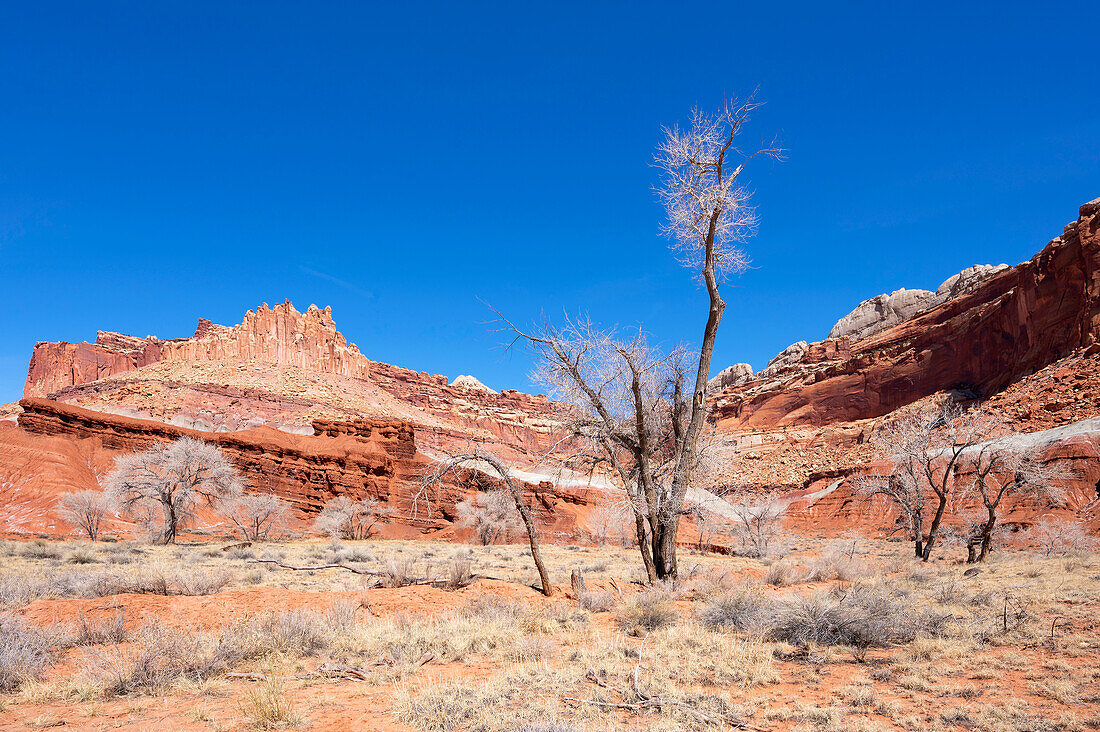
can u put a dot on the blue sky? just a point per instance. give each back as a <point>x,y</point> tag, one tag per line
<point>398,161</point>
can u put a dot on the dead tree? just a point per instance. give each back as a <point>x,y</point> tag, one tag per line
<point>345,518</point>
<point>164,485</point>
<point>924,448</point>
<point>480,460</point>
<point>642,412</point>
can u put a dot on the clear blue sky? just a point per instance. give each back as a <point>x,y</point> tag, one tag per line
<point>169,160</point>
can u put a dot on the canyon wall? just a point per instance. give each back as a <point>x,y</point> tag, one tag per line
<point>357,458</point>
<point>1008,325</point>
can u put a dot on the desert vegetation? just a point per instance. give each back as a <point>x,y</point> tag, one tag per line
<point>870,640</point>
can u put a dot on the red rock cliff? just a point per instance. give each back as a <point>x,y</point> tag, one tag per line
<point>1011,325</point>
<point>280,335</point>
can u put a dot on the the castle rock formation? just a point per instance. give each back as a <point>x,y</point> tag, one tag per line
<point>280,335</point>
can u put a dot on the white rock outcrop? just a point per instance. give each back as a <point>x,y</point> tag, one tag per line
<point>739,373</point>
<point>885,311</point>
<point>469,382</point>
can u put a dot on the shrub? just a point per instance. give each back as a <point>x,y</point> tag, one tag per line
<point>596,602</point>
<point>87,633</point>
<point>158,657</point>
<point>270,707</point>
<point>491,514</point>
<point>81,556</point>
<point>397,573</point>
<point>647,611</point>
<point>782,573</point>
<point>85,510</point>
<point>39,549</point>
<point>736,611</point>
<point>1060,537</point>
<point>459,573</point>
<point>24,652</point>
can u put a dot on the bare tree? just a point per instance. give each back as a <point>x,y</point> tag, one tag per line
<point>1057,536</point>
<point>758,522</point>
<point>345,518</point>
<point>924,448</point>
<point>1006,468</point>
<point>85,510</point>
<point>165,485</point>
<point>642,412</point>
<point>257,516</point>
<point>487,463</point>
<point>491,514</point>
<point>610,521</point>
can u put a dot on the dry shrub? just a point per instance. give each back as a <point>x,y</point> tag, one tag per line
<point>836,565</point>
<point>88,633</point>
<point>39,549</point>
<point>861,616</point>
<point>460,572</point>
<point>783,572</point>
<point>158,657</point>
<point>18,589</point>
<point>1059,537</point>
<point>596,602</point>
<point>647,611</point>
<point>736,611</point>
<point>269,706</point>
<point>24,652</point>
<point>398,573</point>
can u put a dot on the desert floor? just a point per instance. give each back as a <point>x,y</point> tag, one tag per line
<point>838,635</point>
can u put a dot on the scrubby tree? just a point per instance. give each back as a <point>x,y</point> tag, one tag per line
<point>1056,536</point>
<point>491,514</point>
<point>256,516</point>
<point>345,518</point>
<point>758,522</point>
<point>641,410</point>
<point>610,522</point>
<point>924,448</point>
<point>1010,466</point>
<point>164,486</point>
<point>85,510</point>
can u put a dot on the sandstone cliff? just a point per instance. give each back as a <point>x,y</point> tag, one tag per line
<point>280,335</point>
<point>1006,326</point>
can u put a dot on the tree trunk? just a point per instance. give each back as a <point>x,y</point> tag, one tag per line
<point>646,546</point>
<point>987,536</point>
<point>934,528</point>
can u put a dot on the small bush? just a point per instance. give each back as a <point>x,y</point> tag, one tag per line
<point>24,652</point>
<point>158,657</point>
<point>736,611</point>
<point>397,573</point>
<point>87,633</point>
<point>459,573</point>
<point>782,573</point>
<point>596,602</point>
<point>647,611</point>
<point>269,707</point>
<point>81,556</point>
<point>39,549</point>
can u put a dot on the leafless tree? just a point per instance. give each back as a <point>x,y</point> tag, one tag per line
<point>491,514</point>
<point>85,510</point>
<point>758,522</point>
<point>642,412</point>
<point>610,521</point>
<point>490,465</point>
<point>257,516</point>
<point>1008,467</point>
<point>345,518</point>
<point>165,485</point>
<point>924,448</point>
<point>1056,536</point>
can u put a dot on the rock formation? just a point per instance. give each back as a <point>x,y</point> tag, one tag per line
<point>739,373</point>
<point>885,311</point>
<point>466,382</point>
<point>358,458</point>
<point>280,335</point>
<point>1002,327</point>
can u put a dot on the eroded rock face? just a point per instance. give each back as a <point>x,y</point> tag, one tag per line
<point>885,311</point>
<point>358,458</point>
<point>280,335</point>
<point>1003,326</point>
<point>739,373</point>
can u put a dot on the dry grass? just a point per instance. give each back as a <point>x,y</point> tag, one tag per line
<point>948,649</point>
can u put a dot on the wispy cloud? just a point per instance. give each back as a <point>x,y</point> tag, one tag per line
<point>337,281</point>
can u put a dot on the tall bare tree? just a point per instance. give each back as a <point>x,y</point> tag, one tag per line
<point>924,448</point>
<point>642,412</point>
<point>165,485</point>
